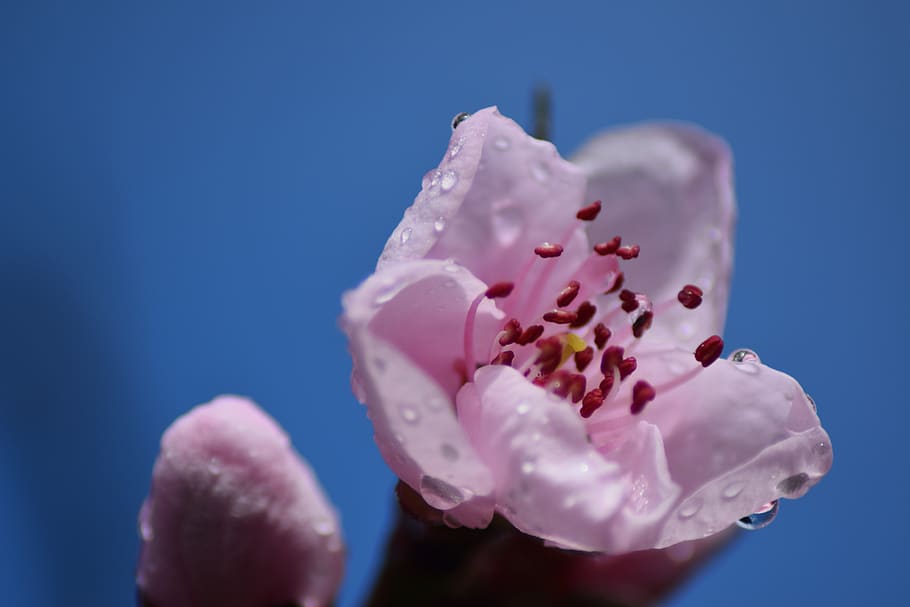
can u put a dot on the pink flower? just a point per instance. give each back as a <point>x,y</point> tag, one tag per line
<point>235,517</point>
<point>526,350</point>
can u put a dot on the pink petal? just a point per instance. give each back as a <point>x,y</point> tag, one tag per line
<point>502,194</point>
<point>667,188</point>
<point>405,326</point>
<point>550,482</point>
<point>235,517</point>
<point>736,436</point>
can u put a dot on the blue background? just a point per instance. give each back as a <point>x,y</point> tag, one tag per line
<point>187,190</point>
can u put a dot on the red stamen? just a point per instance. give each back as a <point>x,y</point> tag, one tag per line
<point>606,384</point>
<point>601,335</point>
<point>628,252</point>
<point>560,317</point>
<point>510,333</point>
<point>617,284</point>
<point>548,250</point>
<point>550,354</point>
<point>630,305</point>
<point>583,358</point>
<point>690,296</point>
<point>577,385</point>
<point>568,294</point>
<point>500,289</point>
<point>591,402</point>
<point>642,323</point>
<point>612,356</point>
<point>627,367</point>
<point>642,394</point>
<point>589,213</point>
<point>530,334</point>
<point>584,313</point>
<point>709,350</point>
<point>627,295</point>
<point>609,247</point>
<point>504,358</point>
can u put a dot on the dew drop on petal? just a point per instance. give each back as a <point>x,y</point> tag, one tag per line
<point>435,403</point>
<point>449,452</point>
<point>523,408</point>
<point>456,147</point>
<point>459,118</point>
<point>745,356</point>
<point>812,403</point>
<point>324,525</point>
<point>214,466</point>
<point>439,225</point>
<point>406,235</point>
<point>146,530</point>
<point>690,508</point>
<point>761,518</point>
<point>793,484</point>
<point>507,225</point>
<point>540,171</point>
<point>448,180</point>
<point>501,143</point>
<point>527,467</point>
<point>733,489</point>
<point>440,494</point>
<point>409,413</point>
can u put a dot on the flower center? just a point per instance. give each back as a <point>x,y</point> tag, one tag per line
<point>555,349</point>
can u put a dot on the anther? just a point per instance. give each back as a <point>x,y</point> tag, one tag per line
<point>510,333</point>
<point>567,295</point>
<point>577,385</point>
<point>611,358</point>
<point>500,289</point>
<point>642,323</point>
<point>642,394</point>
<point>601,335</point>
<point>504,358</point>
<point>548,250</point>
<point>626,295</point>
<point>560,317</point>
<point>626,367</point>
<point>591,402</point>
<point>589,213</point>
<point>530,334</point>
<point>549,355</point>
<point>606,384</point>
<point>617,284</point>
<point>628,252</point>
<point>609,247</point>
<point>629,305</point>
<point>583,358</point>
<point>584,314</point>
<point>709,350</point>
<point>690,296</point>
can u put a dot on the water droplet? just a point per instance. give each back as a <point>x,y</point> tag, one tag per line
<point>540,171</point>
<point>569,501</point>
<point>324,525</point>
<point>745,356</point>
<point>456,147</point>
<point>812,403</point>
<point>690,508</point>
<point>459,118</point>
<point>448,180</point>
<point>583,467</point>
<point>431,179</point>
<point>408,413</point>
<point>449,452</point>
<point>145,528</point>
<point>440,494</point>
<point>405,235</point>
<point>821,449</point>
<point>523,407</point>
<point>733,489</point>
<point>435,403</point>
<point>761,518</point>
<point>527,467</point>
<point>793,484</point>
<point>214,466</point>
<point>507,225</point>
<point>440,224</point>
<point>501,143</point>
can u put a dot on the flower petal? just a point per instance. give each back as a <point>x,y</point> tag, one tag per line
<point>550,482</point>
<point>736,436</point>
<point>405,326</point>
<point>497,194</point>
<point>668,188</point>
<point>235,517</point>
